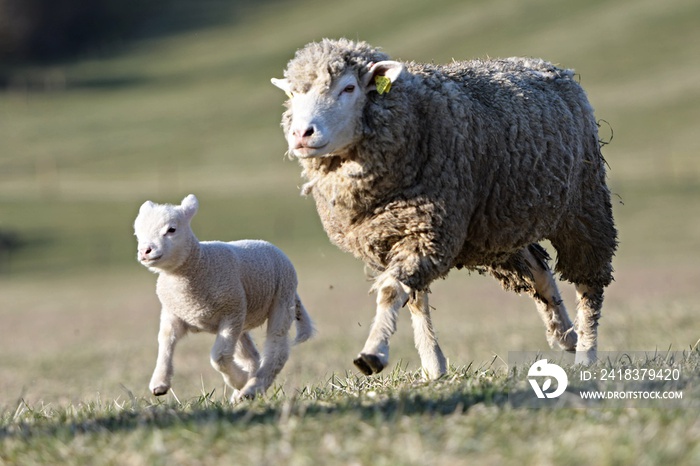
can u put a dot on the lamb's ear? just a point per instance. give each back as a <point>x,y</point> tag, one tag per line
<point>387,71</point>
<point>284,85</point>
<point>189,206</point>
<point>145,206</point>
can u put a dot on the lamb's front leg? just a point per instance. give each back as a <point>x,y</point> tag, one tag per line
<point>392,295</point>
<point>431,357</point>
<point>171,330</point>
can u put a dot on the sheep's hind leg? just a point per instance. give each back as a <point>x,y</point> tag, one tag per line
<point>222,356</point>
<point>431,357</point>
<point>590,303</point>
<point>392,295</point>
<point>550,306</point>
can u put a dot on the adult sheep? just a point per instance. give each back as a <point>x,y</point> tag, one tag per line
<point>419,168</point>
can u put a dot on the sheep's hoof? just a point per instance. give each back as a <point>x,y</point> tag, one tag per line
<point>586,357</point>
<point>368,364</point>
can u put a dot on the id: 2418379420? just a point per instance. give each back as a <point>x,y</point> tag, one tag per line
<point>630,374</point>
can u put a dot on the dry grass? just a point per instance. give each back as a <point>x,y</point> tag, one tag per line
<point>196,113</point>
<point>62,342</point>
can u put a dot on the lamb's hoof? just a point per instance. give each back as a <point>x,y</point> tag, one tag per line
<point>239,396</point>
<point>368,364</point>
<point>160,390</point>
<point>250,391</point>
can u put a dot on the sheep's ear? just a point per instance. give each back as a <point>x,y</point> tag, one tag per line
<point>284,85</point>
<point>381,75</point>
<point>189,206</point>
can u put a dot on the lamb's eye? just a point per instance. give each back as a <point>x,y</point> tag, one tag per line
<point>350,88</point>
<point>170,231</point>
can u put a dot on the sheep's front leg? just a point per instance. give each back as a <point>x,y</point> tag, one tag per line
<point>171,330</point>
<point>222,355</point>
<point>392,295</point>
<point>431,357</point>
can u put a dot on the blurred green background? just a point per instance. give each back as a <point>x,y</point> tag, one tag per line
<point>109,105</point>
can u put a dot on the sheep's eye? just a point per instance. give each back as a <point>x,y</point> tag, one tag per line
<point>350,88</point>
<point>170,231</point>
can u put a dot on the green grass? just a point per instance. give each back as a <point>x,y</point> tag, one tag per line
<point>195,112</point>
<point>465,417</point>
<point>85,143</point>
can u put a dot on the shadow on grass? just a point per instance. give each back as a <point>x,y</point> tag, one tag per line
<point>351,399</point>
<point>138,413</point>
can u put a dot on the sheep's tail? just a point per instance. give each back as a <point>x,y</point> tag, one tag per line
<point>305,327</point>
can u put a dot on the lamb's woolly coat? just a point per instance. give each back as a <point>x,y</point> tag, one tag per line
<point>463,165</point>
<point>203,291</point>
<point>221,288</point>
<point>204,283</point>
<point>217,280</point>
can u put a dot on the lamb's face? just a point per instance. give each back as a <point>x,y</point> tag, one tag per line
<point>326,119</point>
<point>164,234</point>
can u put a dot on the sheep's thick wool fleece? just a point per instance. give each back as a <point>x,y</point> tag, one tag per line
<point>222,279</point>
<point>462,165</point>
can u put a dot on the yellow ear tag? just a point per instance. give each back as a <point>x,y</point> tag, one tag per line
<point>290,95</point>
<point>383,84</point>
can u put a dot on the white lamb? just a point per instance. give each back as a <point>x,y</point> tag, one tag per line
<point>221,288</point>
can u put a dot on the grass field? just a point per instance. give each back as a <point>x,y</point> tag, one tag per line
<point>83,144</point>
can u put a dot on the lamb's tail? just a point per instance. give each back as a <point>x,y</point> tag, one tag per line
<point>305,327</point>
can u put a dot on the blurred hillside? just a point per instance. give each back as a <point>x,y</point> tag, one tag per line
<point>35,31</point>
<point>189,108</point>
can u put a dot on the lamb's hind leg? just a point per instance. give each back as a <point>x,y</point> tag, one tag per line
<point>275,352</point>
<point>222,355</point>
<point>431,357</point>
<point>392,295</point>
<point>246,354</point>
<point>549,304</point>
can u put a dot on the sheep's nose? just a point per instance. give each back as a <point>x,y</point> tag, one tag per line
<point>305,133</point>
